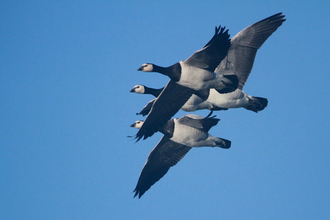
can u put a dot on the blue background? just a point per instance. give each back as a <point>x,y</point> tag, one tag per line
<point>66,68</point>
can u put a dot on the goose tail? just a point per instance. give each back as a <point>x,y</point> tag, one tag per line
<point>256,104</point>
<point>223,143</point>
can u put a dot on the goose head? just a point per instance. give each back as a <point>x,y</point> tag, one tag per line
<point>146,67</point>
<point>139,89</point>
<point>138,124</point>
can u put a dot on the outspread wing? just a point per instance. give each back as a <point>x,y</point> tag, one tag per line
<point>198,122</point>
<point>146,109</point>
<point>244,46</point>
<point>213,52</point>
<point>169,102</point>
<point>165,155</point>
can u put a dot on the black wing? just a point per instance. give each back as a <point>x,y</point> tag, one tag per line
<point>198,122</point>
<point>165,155</point>
<point>213,52</point>
<point>169,102</point>
<point>146,109</point>
<point>244,46</point>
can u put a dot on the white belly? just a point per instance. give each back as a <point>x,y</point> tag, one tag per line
<point>234,99</point>
<point>196,78</point>
<point>188,136</point>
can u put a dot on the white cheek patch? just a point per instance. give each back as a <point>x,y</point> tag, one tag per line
<point>147,67</point>
<point>138,124</point>
<point>139,89</point>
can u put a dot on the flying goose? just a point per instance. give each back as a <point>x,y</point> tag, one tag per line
<point>180,135</point>
<point>197,101</point>
<point>187,77</point>
<point>239,61</point>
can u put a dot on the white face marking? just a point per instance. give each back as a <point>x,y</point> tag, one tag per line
<point>138,124</point>
<point>146,67</point>
<point>139,89</point>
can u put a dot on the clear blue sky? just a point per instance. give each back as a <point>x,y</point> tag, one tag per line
<point>66,68</point>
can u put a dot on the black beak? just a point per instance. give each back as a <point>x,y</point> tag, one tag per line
<point>132,126</point>
<point>132,90</point>
<point>140,69</point>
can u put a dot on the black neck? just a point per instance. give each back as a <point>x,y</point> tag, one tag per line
<point>154,92</point>
<point>174,71</point>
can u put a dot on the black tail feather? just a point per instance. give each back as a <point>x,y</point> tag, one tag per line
<point>257,104</point>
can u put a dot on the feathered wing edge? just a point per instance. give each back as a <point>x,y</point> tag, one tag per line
<point>167,104</point>
<point>165,155</point>
<point>244,47</point>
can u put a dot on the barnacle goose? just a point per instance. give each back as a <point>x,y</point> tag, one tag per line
<point>239,61</point>
<point>180,135</point>
<point>197,101</point>
<point>186,77</point>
